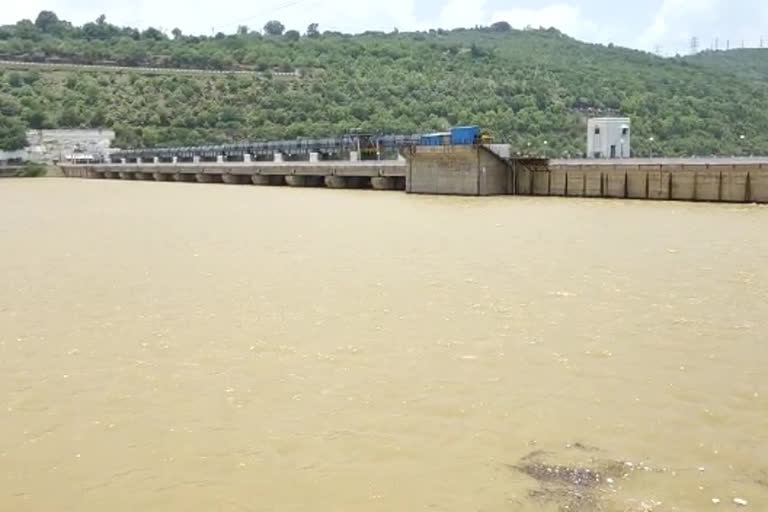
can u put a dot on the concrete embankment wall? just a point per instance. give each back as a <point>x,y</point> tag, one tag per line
<point>479,171</point>
<point>457,170</point>
<point>711,180</point>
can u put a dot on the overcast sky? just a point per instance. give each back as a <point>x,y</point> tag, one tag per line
<point>665,25</point>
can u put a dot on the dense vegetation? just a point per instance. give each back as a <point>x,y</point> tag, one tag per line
<point>749,62</point>
<point>534,88</point>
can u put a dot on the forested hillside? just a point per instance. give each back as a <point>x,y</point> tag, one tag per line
<point>527,87</point>
<point>749,62</point>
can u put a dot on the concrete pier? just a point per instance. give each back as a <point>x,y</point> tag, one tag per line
<point>258,179</point>
<point>159,176</point>
<point>188,178</point>
<point>304,181</point>
<point>235,179</point>
<point>385,183</point>
<point>127,175</point>
<point>347,182</point>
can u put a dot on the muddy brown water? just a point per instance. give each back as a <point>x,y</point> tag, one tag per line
<point>209,347</point>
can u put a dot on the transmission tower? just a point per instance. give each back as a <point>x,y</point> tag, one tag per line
<point>694,45</point>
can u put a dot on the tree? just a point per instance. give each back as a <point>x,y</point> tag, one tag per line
<point>25,29</point>
<point>274,28</point>
<point>242,30</point>
<point>71,117</point>
<point>36,119</point>
<point>292,35</point>
<point>15,79</point>
<point>153,33</point>
<point>100,29</point>
<point>9,106</point>
<point>47,21</point>
<point>312,30</point>
<point>501,26</point>
<point>13,136</point>
<point>477,52</point>
<point>176,33</point>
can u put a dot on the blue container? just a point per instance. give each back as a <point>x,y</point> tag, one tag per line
<point>465,135</point>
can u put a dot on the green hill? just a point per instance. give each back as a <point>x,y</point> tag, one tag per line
<point>527,87</point>
<point>748,63</point>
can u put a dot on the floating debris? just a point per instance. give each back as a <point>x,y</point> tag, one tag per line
<point>573,487</point>
<point>715,501</point>
<point>740,502</point>
<point>576,476</point>
<point>571,500</point>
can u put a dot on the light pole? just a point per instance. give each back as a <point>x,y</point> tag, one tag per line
<point>742,138</point>
<point>650,151</point>
<point>546,147</point>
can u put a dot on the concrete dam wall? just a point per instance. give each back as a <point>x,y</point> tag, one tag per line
<point>478,171</point>
<point>457,170</point>
<point>716,180</point>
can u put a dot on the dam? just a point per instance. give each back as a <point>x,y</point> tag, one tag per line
<point>471,170</point>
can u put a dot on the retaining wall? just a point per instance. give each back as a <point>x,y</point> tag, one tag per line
<point>457,170</point>
<point>736,182</point>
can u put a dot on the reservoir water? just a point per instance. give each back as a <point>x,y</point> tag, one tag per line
<point>186,347</point>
